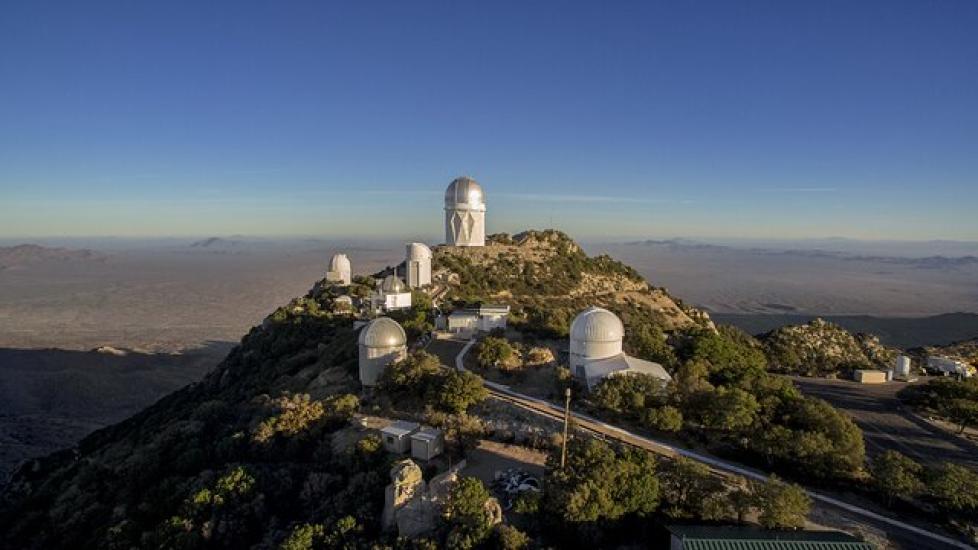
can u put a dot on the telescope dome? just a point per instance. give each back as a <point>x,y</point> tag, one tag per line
<point>596,324</point>
<point>464,191</point>
<point>382,332</point>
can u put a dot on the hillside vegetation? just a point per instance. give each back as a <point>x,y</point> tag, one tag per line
<point>820,348</point>
<point>548,279</point>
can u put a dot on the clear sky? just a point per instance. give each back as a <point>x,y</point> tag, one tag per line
<point>646,119</point>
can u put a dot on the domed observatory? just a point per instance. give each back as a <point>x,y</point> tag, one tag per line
<point>340,271</point>
<point>392,293</point>
<point>596,337</point>
<point>595,333</point>
<point>418,264</point>
<point>465,213</point>
<point>381,343</point>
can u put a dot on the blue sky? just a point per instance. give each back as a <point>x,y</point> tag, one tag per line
<point>634,119</point>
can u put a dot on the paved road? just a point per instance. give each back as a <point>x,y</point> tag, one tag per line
<point>886,425</point>
<point>901,533</point>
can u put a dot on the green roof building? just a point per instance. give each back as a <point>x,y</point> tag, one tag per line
<point>701,537</point>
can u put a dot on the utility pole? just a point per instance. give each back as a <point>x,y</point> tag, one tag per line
<point>563,449</point>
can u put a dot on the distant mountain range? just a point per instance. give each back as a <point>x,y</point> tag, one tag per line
<point>26,254</point>
<point>926,262</point>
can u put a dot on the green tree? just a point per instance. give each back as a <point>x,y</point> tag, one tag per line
<point>494,351</point>
<point>782,505</point>
<point>896,476</point>
<point>466,514</point>
<point>954,487</point>
<point>599,484</point>
<point>733,356</point>
<point>690,490</point>
<point>304,537</point>
<point>730,409</point>
<point>647,341</point>
<point>459,391</point>
<point>962,411</point>
<point>507,537</point>
<point>666,418</point>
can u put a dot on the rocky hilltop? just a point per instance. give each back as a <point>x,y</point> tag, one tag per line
<point>547,279</point>
<point>820,348</point>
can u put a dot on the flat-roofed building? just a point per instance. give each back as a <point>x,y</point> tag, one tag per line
<point>427,443</point>
<point>396,437</point>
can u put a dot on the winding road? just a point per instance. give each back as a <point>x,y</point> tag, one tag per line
<point>904,534</point>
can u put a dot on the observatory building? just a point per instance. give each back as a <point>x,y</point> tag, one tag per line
<point>381,343</point>
<point>391,293</point>
<point>596,349</point>
<point>465,213</point>
<point>339,270</point>
<point>418,264</point>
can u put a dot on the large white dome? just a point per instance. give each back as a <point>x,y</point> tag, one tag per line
<point>339,262</point>
<point>596,324</point>
<point>465,192</point>
<point>382,332</point>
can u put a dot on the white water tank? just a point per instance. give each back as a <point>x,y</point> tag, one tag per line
<point>902,367</point>
<point>596,333</point>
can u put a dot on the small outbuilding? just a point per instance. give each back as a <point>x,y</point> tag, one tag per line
<point>427,443</point>
<point>867,376</point>
<point>397,436</point>
<point>478,319</point>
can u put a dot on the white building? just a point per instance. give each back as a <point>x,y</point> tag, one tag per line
<point>396,437</point>
<point>381,343</point>
<point>392,294</point>
<point>481,319</point>
<point>465,213</point>
<point>596,336</point>
<point>427,443</point>
<point>418,264</point>
<point>901,369</point>
<point>340,270</point>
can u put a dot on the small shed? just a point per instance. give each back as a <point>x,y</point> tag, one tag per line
<point>865,376</point>
<point>397,436</point>
<point>427,443</point>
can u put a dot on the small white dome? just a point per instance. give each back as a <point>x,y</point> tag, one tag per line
<point>418,251</point>
<point>382,332</point>
<point>596,324</point>
<point>464,191</point>
<point>393,285</point>
<point>339,262</point>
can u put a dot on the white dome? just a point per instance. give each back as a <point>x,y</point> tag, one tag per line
<point>382,332</point>
<point>418,251</point>
<point>393,285</point>
<point>465,191</point>
<point>596,324</point>
<point>339,262</point>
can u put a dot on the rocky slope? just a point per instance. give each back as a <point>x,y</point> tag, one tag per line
<point>547,279</point>
<point>820,348</point>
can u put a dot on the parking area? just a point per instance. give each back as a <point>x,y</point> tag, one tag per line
<point>886,424</point>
